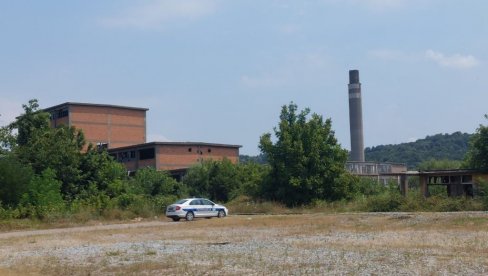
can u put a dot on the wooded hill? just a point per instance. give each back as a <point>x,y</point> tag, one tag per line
<point>440,147</point>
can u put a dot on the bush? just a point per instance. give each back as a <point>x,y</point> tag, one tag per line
<point>384,202</point>
<point>43,198</point>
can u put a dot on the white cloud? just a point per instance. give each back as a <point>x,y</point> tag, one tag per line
<point>156,14</point>
<point>456,61</point>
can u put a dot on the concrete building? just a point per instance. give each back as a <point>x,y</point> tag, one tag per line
<point>122,131</point>
<point>108,126</point>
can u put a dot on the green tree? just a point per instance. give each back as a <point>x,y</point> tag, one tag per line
<point>99,169</point>
<point>44,194</point>
<point>251,176</point>
<point>477,156</point>
<point>30,122</point>
<point>151,182</point>
<point>14,180</point>
<point>306,161</point>
<point>217,180</point>
<point>58,149</point>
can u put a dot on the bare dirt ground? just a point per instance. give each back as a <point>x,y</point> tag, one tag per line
<point>331,244</point>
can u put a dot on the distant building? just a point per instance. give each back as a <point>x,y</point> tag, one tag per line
<point>107,126</point>
<point>382,172</point>
<point>171,156</point>
<point>122,131</point>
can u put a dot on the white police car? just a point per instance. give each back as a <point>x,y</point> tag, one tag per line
<point>190,208</point>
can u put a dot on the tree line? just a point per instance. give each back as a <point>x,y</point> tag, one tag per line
<point>47,172</point>
<point>436,147</point>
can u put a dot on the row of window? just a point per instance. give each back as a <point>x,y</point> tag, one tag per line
<point>144,154</point>
<point>125,156</point>
<point>199,151</point>
<point>59,114</point>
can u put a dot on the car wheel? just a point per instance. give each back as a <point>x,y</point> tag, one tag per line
<point>176,219</point>
<point>189,216</point>
<point>221,214</point>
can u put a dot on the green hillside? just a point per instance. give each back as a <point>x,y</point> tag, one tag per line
<point>440,146</point>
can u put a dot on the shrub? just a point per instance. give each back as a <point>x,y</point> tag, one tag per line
<point>44,198</point>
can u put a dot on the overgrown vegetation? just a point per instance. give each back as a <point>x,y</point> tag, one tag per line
<point>51,173</point>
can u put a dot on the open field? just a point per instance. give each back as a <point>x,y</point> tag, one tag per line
<point>347,244</point>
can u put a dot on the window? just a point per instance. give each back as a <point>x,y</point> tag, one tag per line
<point>209,150</point>
<point>196,202</point>
<point>102,146</point>
<point>181,201</point>
<point>132,154</point>
<point>207,202</point>
<point>146,154</point>
<point>189,149</point>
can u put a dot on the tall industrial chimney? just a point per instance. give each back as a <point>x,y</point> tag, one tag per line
<point>356,117</point>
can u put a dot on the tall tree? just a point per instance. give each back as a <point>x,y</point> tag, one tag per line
<point>32,120</point>
<point>477,156</point>
<point>306,160</point>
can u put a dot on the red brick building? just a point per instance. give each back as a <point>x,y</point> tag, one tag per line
<point>171,156</point>
<point>122,130</point>
<point>110,126</point>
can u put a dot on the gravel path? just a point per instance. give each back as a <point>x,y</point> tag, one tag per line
<point>343,244</point>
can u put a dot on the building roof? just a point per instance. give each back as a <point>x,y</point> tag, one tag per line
<point>93,105</point>
<point>202,144</point>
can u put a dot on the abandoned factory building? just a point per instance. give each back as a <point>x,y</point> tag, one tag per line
<point>122,131</point>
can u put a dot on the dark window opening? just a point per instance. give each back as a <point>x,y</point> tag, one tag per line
<point>62,113</point>
<point>146,154</point>
<point>467,178</point>
<point>132,154</point>
<point>209,150</point>
<point>102,146</point>
<point>189,149</point>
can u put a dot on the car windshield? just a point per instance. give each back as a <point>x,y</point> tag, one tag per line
<point>181,201</point>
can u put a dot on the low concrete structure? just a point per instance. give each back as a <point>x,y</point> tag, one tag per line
<point>382,172</point>
<point>460,182</point>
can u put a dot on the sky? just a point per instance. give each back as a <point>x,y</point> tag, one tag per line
<point>219,71</point>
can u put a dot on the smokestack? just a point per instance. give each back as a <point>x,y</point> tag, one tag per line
<point>356,117</point>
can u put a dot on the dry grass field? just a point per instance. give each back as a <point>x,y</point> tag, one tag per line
<point>314,244</point>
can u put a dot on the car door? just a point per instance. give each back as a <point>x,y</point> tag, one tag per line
<point>197,208</point>
<point>209,206</point>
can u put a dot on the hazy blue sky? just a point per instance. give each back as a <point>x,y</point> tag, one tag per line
<point>219,71</point>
